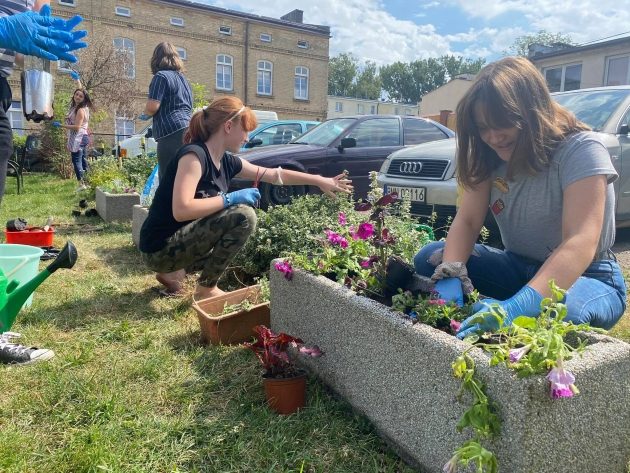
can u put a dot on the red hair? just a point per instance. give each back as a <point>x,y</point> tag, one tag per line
<point>207,121</point>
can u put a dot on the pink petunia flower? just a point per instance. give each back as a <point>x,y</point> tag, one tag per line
<point>365,231</point>
<point>561,381</point>
<point>455,324</point>
<point>517,353</point>
<point>437,301</point>
<point>342,219</point>
<point>336,239</point>
<point>286,268</point>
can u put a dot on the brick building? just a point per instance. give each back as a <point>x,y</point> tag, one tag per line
<point>272,64</point>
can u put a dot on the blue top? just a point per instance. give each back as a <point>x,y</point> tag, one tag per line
<point>172,90</point>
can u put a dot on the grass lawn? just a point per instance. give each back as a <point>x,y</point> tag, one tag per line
<point>132,390</point>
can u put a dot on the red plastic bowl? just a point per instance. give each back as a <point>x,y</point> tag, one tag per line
<point>31,237</point>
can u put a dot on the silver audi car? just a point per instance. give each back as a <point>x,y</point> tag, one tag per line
<point>426,172</point>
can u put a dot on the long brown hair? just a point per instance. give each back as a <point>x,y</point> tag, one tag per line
<point>87,101</point>
<point>166,58</point>
<point>510,93</point>
<point>207,121</point>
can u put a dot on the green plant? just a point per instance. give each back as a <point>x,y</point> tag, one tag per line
<point>104,172</point>
<point>137,169</point>
<point>19,141</point>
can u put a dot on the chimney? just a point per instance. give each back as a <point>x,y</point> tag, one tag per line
<point>295,16</point>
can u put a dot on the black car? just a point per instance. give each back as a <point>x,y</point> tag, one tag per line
<point>357,144</point>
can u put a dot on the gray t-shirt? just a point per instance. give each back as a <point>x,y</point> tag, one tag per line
<point>528,210</point>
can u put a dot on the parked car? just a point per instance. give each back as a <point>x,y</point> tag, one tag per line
<point>132,146</point>
<point>357,144</point>
<point>427,172</point>
<point>278,132</point>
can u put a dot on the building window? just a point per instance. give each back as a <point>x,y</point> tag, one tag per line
<point>127,48</point>
<point>182,53</point>
<point>67,3</point>
<point>123,11</point>
<point>124,128</point>
<point>264,77</point>
<point>265,37</point>
<point>563,77</point>
<point>302,44</point>
<point>301,83</point>
<point>373,109</point>
<point>225,30</point>
<point>224,72</point>
<point>618,70</point>
<point>16,118</point>
<point>176,21</point>
<point>338,107</point>
<point>360,109</point>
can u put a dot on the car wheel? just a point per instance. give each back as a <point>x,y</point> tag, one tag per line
<point>279,195</point>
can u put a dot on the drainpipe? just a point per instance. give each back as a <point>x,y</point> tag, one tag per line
<point>245,63</point>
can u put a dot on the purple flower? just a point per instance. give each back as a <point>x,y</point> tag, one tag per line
<point>455,324</point>
<point>336,239</point>
<point>451,465</point>
<point>342,219</point>
<point>561,381</point>
<point>368,263</point>
<point>286,268</point>
<point>437,301</point>
<point>366,230</point>
<point>517,353</point>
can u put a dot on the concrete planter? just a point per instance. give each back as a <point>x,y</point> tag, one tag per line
<point>115,207</point>
<point>139,214</point>
<point>400,377</point>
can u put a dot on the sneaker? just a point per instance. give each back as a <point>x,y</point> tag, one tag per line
<point>82,187</point>
<point>12,353</point>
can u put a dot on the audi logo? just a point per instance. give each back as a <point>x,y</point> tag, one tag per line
<point>411,167</point>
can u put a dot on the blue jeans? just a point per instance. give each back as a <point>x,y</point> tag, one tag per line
<point>598,297</point>
<point>79,163</point>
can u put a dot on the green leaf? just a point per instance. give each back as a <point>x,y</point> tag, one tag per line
<point>525,322</point>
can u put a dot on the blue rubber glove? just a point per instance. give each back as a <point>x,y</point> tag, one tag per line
<point>525,302</point>
<point>41,35</point>
<point>144,117</point>
<point>74,75</point>
<point>56,124</point>
<point>248,196</point>
<point>450,289</point>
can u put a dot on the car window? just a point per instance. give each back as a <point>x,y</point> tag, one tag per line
<point>376,132</point>
<point>311,125</point>
<point>278,134</point>
<point>327,132</point>
<point>419,131</point>
<point>593,107</point>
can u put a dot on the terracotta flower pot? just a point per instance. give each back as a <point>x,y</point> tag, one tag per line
<point>235,327</point>
<point>286,395</point>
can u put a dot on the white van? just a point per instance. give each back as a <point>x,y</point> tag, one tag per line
<point>132,146</point>
<point>265,116</point>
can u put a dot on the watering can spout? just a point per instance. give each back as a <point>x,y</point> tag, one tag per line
<point>13,295</point>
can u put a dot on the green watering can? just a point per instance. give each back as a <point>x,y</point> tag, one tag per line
<point>13,295</point>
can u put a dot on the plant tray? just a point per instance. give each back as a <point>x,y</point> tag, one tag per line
<point>235,327</point>
<point>32,237</point>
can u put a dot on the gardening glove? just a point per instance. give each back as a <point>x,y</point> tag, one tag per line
<point>248,196</point>
<point>525,302</point>
<point>74,75</point>
<point>56,124</point>
<point>144,117</point>
<point>41,35</point>
<point>450,289</point>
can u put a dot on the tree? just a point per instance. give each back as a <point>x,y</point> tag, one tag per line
<point>397,81</point>
<point>342,72</point>
<point>368,83</point>
<point>199,95</point>
<point>520,46</point>
<point>456,65</point>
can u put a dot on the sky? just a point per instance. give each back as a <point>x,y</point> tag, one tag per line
<point>386,31</point>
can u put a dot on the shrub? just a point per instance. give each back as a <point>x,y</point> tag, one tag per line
<point>104,172</point>
<point>138,169</point>
<point>107,174</point>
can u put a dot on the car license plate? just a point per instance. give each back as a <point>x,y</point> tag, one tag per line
<point>416,194</point>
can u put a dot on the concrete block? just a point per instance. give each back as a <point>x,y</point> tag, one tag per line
<point>116,207</point>
<point>399,375</point>
<point>138,215</point>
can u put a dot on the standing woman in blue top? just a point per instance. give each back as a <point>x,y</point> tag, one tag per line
<point>170,103</point>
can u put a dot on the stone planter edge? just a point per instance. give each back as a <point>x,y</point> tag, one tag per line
<point>115,207</point>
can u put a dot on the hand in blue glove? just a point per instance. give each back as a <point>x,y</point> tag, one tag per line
<point>450,289</point>
<point>74,75</point>
<point>525,302</point>
<point>248,196</point>
<point>56,124</point>
<point>41,35</point>
<point>143,116</point>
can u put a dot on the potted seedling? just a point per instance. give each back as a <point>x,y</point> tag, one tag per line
<point>284,382</point>
<point>231,317</point>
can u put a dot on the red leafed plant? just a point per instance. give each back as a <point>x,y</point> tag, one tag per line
<point>272,350</point>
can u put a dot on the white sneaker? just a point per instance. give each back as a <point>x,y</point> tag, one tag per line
<point>82,187</point>
<point>12,353</point>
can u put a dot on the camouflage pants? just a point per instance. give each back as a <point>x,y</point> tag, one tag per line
<point>207,245</point>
